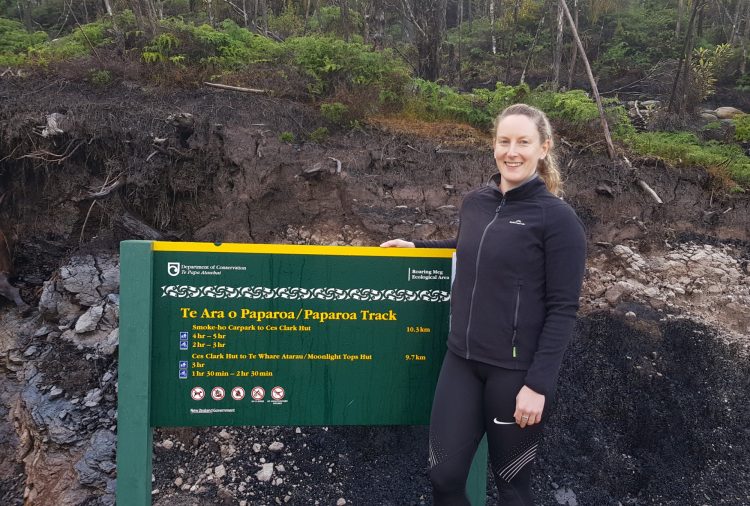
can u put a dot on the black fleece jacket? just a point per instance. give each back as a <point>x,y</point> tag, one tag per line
<point>520,263</point>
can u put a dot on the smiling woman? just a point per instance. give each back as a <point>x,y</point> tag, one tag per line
<point>518,150</point>
<point>520,257</point>
<point>523,147</point>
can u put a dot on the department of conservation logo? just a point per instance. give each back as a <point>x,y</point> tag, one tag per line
<point>173,268</point>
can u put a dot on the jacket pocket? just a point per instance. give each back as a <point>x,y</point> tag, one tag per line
<point>518,285</point>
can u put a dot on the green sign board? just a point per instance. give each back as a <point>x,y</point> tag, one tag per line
<point>281,335</point>
<point>241,334</point>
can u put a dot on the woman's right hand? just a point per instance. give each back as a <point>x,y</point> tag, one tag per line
<point>397,243</point>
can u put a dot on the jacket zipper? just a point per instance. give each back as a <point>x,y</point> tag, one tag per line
<point>476,274</point>
<point>515,318</point>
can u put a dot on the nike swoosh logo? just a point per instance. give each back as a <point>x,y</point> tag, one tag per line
<point>503,423</point>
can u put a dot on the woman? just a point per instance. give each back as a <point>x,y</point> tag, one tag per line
<point>521,255</point>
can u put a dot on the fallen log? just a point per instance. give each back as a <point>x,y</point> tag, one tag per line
<point>235,88</point>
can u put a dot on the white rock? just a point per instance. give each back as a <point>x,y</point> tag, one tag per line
<point>167,444</point>
<point>265,473</point>
<point>256,447</point>
<point>178,481</point>
<point>566,497</point>
<point>89,320</point>
<point>341,501</point>
<point>727,112</point>
<point>622,251</point>
<point>651,291</point>
<point>276,446</point>
<point>220,471</point>
<point>92,398</point>
<point>224,434</point>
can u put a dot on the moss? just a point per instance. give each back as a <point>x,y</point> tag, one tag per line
<point>684,149</point>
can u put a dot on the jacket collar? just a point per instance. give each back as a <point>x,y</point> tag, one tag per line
<point>531,186</point>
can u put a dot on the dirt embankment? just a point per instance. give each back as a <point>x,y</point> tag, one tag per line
<point>651,406</point>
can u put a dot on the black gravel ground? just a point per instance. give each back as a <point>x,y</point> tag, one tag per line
<point>653,414</point>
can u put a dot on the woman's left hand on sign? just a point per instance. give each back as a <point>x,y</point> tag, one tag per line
<point>397,243</point>
<point>529,407</point>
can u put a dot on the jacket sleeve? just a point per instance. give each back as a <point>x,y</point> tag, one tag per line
<point>564,265</point>
<point>440,243</point>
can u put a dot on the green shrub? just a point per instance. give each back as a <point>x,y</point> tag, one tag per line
<point>319,135</point>
<point>14,39</point>
<point>76,44</point>
<point>331,62</point>
<point>161,48</point>
<point>706,65</point>
<point>288,23</point>
<point>683,149</point>
<point>328,21</point>
<point>336,113</point>
<point>230,47</point>
<point>742,128</point>
<point>286,137</point>
<point>100,77</point>
<point>431,101</point>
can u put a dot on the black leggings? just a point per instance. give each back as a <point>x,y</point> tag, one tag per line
<point>470,399</point>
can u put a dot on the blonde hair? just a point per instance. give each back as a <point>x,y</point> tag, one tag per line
<point>547,167</point>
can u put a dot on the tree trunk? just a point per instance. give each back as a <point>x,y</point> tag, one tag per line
<point>509,51</point>
<point>108,8</point>
<point>558,47</point>
<point>592,81</point>
<point>379,31</point>
<point>492,27</point>
<point>531,51</point>
<point>24,8</point>
<point>680,13</point>
<point>746,37</point>
<point>427,17</point>
<point>574,50</point>
<point>210,11</point>
<point>427,50</point>
<point>735,22</point>
<point>687,46</point>
<point>460,41</point>
<point>345,19</point>
<point>145,16</point>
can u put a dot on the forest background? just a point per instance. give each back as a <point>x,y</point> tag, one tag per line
<point>433,60</point>
<point>347,123</point>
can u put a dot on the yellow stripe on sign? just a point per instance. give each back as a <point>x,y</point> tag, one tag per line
<point>293,249</point>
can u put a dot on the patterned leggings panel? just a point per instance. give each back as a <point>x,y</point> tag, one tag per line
<point>472,399</point>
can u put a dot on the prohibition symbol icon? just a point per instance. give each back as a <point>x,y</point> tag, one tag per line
<point>197,393</point>
<point>277,393</point>
<point>217,393</point>
<point>238,393</point>
<point>257,393</point>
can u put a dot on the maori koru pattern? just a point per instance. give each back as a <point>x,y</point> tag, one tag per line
<point>294,293</point>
